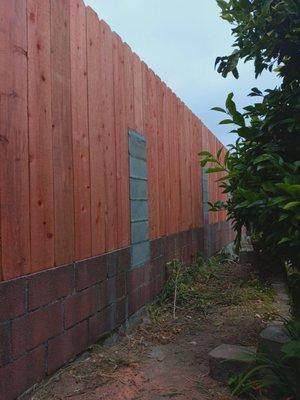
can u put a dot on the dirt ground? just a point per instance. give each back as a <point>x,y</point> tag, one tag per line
<point>165,358</point>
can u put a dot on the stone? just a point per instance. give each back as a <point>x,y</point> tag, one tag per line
<point>140,253</point>
<point>227,360</point>
<point>271,339</point>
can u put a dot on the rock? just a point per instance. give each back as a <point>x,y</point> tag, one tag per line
<point>157,353</point>
<point>227,360</point>
<point>271,339</point>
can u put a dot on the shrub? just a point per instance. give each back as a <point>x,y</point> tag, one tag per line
<point>263,167</point>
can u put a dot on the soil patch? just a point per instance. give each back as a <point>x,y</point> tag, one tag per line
<point>166,358</point>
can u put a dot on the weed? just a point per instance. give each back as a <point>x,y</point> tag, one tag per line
<point>204,285</point>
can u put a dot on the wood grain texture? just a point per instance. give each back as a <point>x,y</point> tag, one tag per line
<point>108,131</point>
<point>80,131</point>
<point>161,159</point>
<point>177,185</point>
<point>129,87</point>
<point>152,157</point>
<point>95,109</point>
<point>40,135</point>
<point>69,91</point>
<point>62,132</point>
<point>137,93</point>
<point>121,131</point>
<point>14,174</point>
<point>166,117</point>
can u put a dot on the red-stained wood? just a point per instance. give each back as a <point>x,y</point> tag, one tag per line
<point>122,165</point>
<point>204,146</point>
<point>70,89</point>
<point>145,99</point>
<point>129,87</point>
<point>172,124</point>
<point>62,132</point>
<point>193,170</point>
<point>189,167</point>
<point>108,131</point>
<point>95,110</point>
<point>174,154</point>
<point>161,159</point>
<point>183,166</point>
<point>137,93</point>
<point>152,154</point>
<point>81,156</point>
<point>166,119</point>
<point>40,135</point>
<point>199,197</point>
<point>14,174</point>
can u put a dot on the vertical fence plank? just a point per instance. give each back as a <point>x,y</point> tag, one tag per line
<point>123,220</point>
<point>176,165</point>
<point>129,88</point>
<point>189,169</point>
<point>198,182</point>
<point>152,157</point>
<point>97,171</point>
<point>108,131</point>
<point>182,162</point>
<point>166,115</point>
<point>62,132</point>
<point>40,135</point>
<point>14,174</point>
<point>137,94</point>
<point>145,102</point>
<point>161,159</point>
<point>81,157</point>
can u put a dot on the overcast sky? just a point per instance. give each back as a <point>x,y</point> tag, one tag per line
<point>180,41</point>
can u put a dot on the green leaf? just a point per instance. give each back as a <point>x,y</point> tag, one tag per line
<point>226,121</point>
<point>219,109</point>
<point>219,152</point>
<point>293,190</point>
<point>214,169</point>
<point>291,349</point>
<point>230,105</point>
<point>291,204</point>
<point>284,240</point>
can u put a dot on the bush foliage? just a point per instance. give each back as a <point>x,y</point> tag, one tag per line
<point>263,167</point>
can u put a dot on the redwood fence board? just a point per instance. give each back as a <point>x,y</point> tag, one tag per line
<point>14,174</point>
<point>95,110</point>
<point>80,130</point>
<point>62,132</point>
<point>40,135</point>
<point>70,90</point>
<point>74,261</point>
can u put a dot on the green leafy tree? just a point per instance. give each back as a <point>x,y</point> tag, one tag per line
<point>262,167</point>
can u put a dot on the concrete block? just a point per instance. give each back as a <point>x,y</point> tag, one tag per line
<point>138,189</point>
<point>227,360</point>
<point>271,339</point>
<point>137,145</point>
<point>139,210</point>
<point>140,253</point>
<point>137,168</point>
<point>139,231</point>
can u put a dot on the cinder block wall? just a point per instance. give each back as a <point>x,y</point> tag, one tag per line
<point>100,186</point>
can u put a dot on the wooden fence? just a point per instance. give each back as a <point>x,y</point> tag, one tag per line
<point>70,89</point>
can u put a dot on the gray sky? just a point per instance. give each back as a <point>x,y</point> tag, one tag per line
<point>180,41</point>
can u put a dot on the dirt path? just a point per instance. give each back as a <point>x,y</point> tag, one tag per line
<point>168,359</point>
